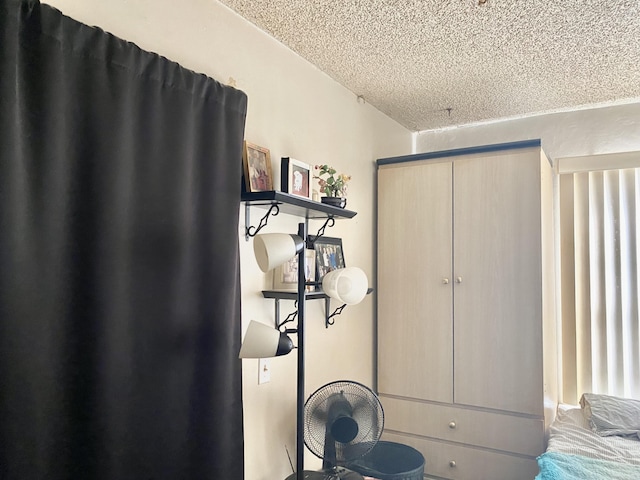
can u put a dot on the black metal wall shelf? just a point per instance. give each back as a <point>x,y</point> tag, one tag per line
<point>317,294</point>
<point>293,295</point>
<point>295,205</point>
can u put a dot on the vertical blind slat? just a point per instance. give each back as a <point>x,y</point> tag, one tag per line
<point>597,278</point>
<point>569,337</point>
<point>628,280</point>
<point>582,287</point>
<point>612,281</point>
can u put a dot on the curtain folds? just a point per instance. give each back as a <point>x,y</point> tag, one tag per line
<point>119,264</point>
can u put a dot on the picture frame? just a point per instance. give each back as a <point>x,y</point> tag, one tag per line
<point>329,256</point>
<point>285,277</point>
<point>295,177</point>
<point>258,175</point>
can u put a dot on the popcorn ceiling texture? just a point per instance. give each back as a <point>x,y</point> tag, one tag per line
<point>414,59</point>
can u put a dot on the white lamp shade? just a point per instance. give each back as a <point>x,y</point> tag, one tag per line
<point>273,249</point>
<point>262,341</point>
<point>348,285</point>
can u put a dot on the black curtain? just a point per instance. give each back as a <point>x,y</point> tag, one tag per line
<point>119,276</point>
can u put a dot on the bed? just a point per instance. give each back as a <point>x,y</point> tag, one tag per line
<point>598,439</point>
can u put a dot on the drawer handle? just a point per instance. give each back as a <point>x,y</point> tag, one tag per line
<point>452,425</point>
<point>452,463</point>
<point>445,281</point>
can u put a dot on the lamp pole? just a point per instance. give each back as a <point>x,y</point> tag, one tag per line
<point>302,232</point>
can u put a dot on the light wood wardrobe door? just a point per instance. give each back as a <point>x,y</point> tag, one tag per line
<point>498,302</point>
<point>414,281</point>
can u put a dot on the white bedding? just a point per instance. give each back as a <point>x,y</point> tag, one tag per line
<point>570,434</point>
<point>609,415</point>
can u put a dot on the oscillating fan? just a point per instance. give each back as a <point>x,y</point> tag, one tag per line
<point>343,421</point>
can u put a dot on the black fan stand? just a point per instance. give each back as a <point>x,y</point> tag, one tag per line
<point>337,473</point>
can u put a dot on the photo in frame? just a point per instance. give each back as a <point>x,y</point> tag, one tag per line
<point>285,277</point>
<point>329,256</point>
<point>295,177</point>
<point>258,176</point>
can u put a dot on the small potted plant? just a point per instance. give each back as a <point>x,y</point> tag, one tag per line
<point>333,185</point>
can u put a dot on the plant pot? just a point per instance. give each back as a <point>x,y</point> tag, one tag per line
<point>339,202</point>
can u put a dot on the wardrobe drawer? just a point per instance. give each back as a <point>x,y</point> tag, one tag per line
<point>455,462</point>
<point>473,427</point>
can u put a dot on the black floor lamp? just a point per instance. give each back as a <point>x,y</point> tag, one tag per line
<point>261,341</point>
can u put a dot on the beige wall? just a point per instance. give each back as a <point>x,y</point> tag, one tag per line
<point>569,134</point>
<point>294,110</point>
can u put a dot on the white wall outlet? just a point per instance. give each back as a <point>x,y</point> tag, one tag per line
<point>264,372</point>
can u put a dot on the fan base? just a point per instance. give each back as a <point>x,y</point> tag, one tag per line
<point>330,474</point>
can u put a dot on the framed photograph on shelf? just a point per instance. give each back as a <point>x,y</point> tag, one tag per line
<point>295,177</point>
<point>258,176</point>
<point>285,277</point>
<point>329,256</point>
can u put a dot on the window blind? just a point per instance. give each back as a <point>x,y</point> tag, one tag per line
<point>599,218</point>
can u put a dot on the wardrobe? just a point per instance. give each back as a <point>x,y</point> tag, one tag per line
<point>467,356</point>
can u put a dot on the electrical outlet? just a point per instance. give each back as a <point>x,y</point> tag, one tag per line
<point>264,371</point>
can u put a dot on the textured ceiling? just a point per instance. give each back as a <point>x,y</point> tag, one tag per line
<point>430,64</point>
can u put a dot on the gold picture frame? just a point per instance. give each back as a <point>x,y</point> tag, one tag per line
<point>258,175</point>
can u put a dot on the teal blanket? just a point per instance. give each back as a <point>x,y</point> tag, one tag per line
<point>560,466</point>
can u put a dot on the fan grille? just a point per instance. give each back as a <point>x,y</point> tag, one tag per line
<point>364,409</point>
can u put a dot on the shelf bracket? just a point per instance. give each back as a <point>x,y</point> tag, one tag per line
<point>289,318</point>
<point>251,231</point>
<point>329,222</point>
<point>330,319</point>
